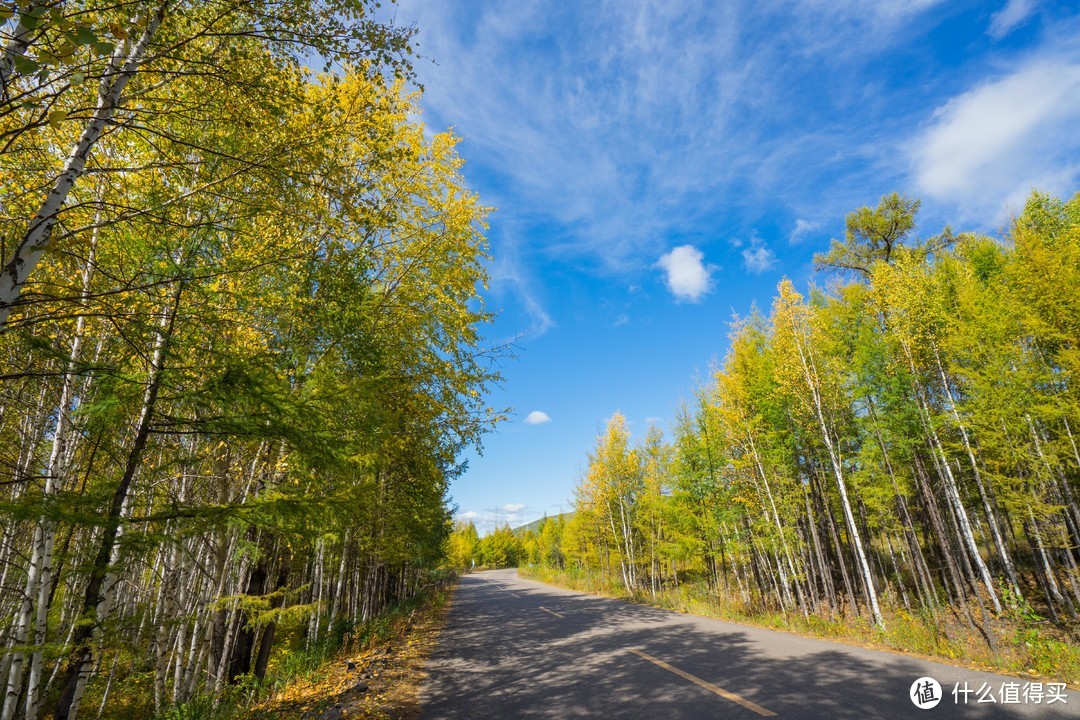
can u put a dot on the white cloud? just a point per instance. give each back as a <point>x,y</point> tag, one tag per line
<point>622,319</point>
<point>508,272</point>
<point>537,417</point>
<point>1013,15</point>
<point>635,109</point>
<point>687,275</point>
<point>758,257</point>
<point>993,144</point>
<point>513,507</point>
<point>802,228</point>
<point>614,125</point>
<point>541,321</point>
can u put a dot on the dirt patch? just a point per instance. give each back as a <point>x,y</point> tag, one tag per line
<point>382,680</point>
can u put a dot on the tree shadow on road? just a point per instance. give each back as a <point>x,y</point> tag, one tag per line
<point>525,650</point>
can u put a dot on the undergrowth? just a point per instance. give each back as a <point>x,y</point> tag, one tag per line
<point>295,662</point>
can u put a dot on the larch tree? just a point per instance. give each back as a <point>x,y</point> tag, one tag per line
<point>249,393</point>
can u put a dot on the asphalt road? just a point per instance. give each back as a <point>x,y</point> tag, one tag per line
<point>515,648</point>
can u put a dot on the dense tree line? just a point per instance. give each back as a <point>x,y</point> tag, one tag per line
<point>501,548</point>
<point>239,342</point>
<point>906,438</point>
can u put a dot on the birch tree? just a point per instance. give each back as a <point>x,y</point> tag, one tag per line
<point>151,42</point>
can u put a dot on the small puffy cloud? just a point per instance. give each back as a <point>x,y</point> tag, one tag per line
<point>513,507</point>
<point>992,144</point>
<point>758,257</point>
<point>1013,15</point>
<point>537,417</point>
<point>802,228</point>
<point>622,319</point>
<point>687,276</point>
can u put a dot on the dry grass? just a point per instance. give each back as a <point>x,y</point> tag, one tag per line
<point>386,676</point>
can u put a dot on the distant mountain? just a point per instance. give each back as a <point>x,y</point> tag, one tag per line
<point>535,524</point>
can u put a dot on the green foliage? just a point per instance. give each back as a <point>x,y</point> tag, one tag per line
<point>861,453</point>
<point>499,549</point>
<point>871,236</point>
<point>276,276</point>
<point>463,546</point>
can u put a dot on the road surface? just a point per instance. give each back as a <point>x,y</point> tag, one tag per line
<point>514,648</point>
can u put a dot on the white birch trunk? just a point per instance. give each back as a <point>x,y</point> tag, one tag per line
<point>995,530</point>
<point>55,476</point>
<point>339,587</point>
<point>104,609</point>
<point>1051,578</point>
<point>122,67</point>
<point>15,47</point>
<point>779,527</point>
<point>316,594</point>
<point>810,373</point>
<point>628,542</point>
<point>20,635</point>
<point>161,635</point>
<point>964,525</point>
<point>31,431</point>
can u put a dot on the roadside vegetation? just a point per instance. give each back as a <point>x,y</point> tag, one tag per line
<point>892,459</point>
<point>240,347</point>
<point>376,672</point>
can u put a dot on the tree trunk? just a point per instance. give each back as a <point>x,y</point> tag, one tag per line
<point>123,65</point>
<point>810,375</point>
<point>98,594</point>
<point>991,517</point>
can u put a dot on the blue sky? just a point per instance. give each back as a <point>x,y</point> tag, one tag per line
<point>658,167</point>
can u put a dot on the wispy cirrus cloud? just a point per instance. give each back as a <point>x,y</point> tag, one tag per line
<point>509,274</point>
<point>757,258</point>
<point>1013,15</point>
<point>626,122</point>
<point>990,146</point>
<point>801,230</point>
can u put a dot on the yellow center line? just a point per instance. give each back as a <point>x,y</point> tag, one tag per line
<point>707,685</point>
<point>551,612</point>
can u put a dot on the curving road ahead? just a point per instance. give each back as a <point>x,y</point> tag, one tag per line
<point>514,648</point>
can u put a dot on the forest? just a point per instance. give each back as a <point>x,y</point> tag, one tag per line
<point>897,450</point>
<point>242,352</point>
<point>240,344</point>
